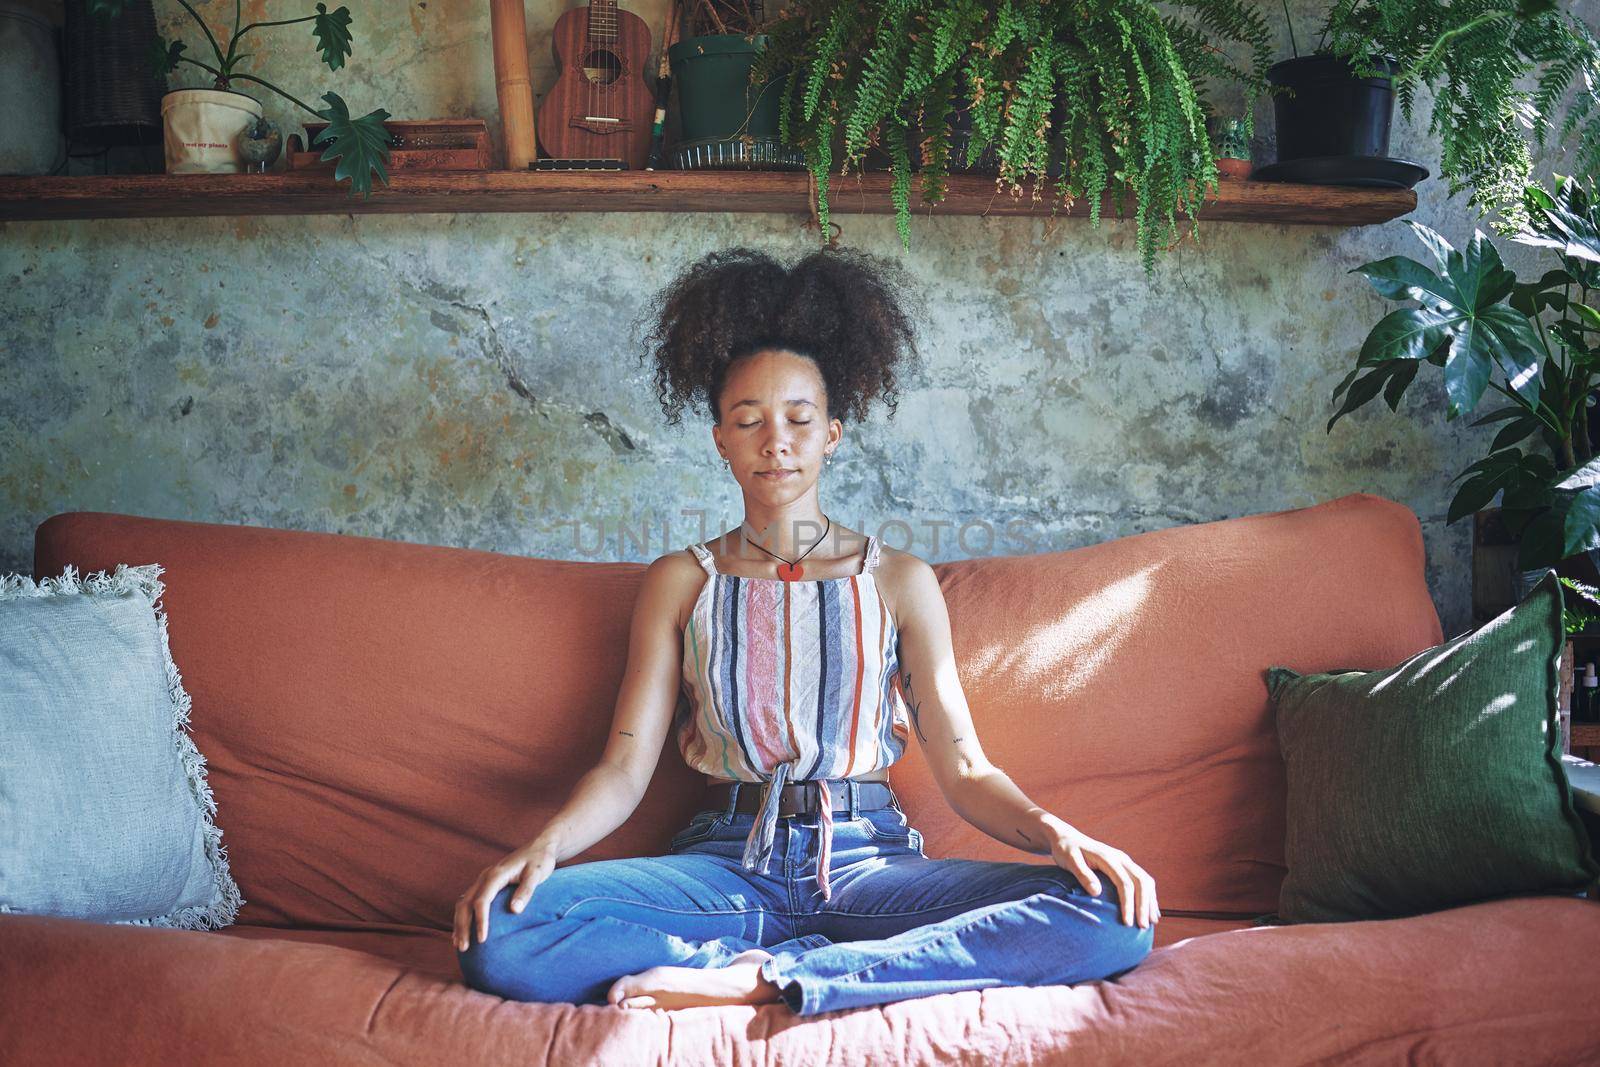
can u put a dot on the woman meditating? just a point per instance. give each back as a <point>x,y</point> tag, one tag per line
<point>793,658</point>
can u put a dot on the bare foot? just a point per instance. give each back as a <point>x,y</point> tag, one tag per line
<point>739,982</point>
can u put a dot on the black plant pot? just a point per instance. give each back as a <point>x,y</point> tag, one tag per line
<point>1330,112</point>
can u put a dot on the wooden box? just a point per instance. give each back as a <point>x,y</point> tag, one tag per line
<point>425,144</point>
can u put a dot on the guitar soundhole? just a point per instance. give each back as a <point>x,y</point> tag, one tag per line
<point>602,67</point>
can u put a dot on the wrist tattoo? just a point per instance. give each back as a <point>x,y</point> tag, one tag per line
<point>624,733</point>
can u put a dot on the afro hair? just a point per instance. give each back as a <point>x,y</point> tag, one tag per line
<point>847,311</point>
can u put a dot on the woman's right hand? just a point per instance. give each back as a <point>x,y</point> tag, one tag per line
<point>531,864</point>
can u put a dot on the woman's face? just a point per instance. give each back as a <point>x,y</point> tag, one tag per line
<point>775,417</point>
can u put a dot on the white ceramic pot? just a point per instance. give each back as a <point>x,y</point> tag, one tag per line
<point>202,128</point>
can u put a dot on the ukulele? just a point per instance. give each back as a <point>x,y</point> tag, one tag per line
<point>600,106</point>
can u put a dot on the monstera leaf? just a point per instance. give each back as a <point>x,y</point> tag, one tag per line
<point>360,145</point>
<point>332,30</point>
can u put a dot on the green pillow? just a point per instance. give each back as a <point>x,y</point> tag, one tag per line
<point>1435,783</point>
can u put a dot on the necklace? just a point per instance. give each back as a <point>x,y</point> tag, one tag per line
<point>790,571</point>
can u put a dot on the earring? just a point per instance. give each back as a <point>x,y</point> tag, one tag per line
<point>728,463</point>
<point>829,461</point>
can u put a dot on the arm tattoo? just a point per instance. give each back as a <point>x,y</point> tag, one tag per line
<point>624,733</point>
<point>1026,838</point>
<point>916,709</point>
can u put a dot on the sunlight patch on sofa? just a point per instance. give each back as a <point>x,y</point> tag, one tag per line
<point>1087,635</point>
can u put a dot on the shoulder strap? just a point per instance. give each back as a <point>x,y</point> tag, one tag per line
<point>872,553</point>
<point>703,554</point>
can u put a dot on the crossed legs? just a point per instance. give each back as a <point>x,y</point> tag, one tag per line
<point>694,928</point>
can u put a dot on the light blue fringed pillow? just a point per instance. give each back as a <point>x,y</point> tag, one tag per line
<point>105,812</point>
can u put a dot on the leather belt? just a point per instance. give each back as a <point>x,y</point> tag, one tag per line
<point>800,797</point>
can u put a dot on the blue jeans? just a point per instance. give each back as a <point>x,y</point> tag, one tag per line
<point>899,925</point>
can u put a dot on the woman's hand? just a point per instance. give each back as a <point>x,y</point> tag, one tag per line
<point>1076,851</point>
<point>532,864</point>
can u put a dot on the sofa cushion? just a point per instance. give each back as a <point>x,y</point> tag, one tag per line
<point>1501,982</point>
<point>1434,782</point>
<point>385,719</point>
<point>105,813</point>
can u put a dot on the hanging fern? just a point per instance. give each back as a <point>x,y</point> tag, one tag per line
<point>830,48</point>
<point>900,182</point>
<point>883,77</point>
<point>1106,95</point>
<point>934,120</point>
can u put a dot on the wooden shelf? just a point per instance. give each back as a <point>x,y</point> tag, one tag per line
<point>313,192</point>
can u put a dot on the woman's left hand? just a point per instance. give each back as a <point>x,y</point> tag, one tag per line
<point>1077,852</point>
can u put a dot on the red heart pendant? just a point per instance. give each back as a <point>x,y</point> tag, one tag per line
<point>790,572</point>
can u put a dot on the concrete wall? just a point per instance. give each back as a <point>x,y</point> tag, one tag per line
<point>473,380</point>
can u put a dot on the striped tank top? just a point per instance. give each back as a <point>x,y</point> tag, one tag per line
<point>790,681</point>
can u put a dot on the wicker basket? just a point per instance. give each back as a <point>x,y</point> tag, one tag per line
<point>113,97</point>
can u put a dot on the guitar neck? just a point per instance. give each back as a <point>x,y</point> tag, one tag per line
<point>603,20</point>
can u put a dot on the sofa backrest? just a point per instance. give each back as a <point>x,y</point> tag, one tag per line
<point>1122,685</point>
<point>380,720</point>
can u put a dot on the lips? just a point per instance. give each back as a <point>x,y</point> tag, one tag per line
<point>774,475</point>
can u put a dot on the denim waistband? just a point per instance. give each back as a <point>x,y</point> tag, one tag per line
<point>758,843</point>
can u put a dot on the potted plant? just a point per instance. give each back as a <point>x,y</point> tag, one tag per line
<point>1323,106</point>
<point>725,118</point>
<point>1476,322</point>
<point>1111,93</point>
<point>203,125</point>
<point>1232,145</point>
<point>1474,59</point>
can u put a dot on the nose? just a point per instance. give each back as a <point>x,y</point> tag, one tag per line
<point>777,444</point>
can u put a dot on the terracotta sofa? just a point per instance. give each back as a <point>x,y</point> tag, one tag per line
<point>382,719</point>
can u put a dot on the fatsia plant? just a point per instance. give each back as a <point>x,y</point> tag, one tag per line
<point>361,145</point>
<point>1487,331</point>
<point>1108,96</point>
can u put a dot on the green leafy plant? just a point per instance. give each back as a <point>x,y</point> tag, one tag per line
<point>360,145</point>
<point>1231,139</point>
<point>1475,58</point>
<point>1576,617</point>
<point>1475,321</point>
<point>1107,94</point>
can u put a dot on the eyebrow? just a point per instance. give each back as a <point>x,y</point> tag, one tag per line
<point>792,400</point>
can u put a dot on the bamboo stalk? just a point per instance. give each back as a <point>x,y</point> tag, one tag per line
<point>509,29</point>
